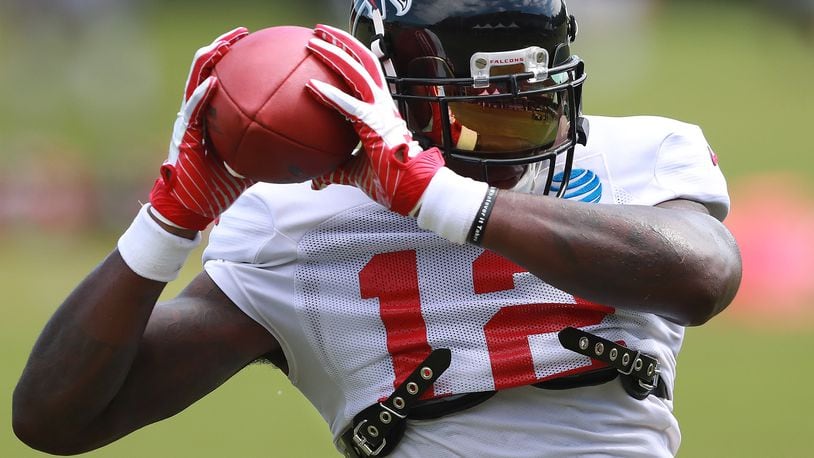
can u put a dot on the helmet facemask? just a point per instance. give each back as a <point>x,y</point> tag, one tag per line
<point>501,120</point>
<point>497,114</point>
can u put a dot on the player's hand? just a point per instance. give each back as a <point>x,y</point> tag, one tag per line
<point>195,186</point>
<point>392,169</point>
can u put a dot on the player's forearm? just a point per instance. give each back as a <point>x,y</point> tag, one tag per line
<point>83,355</point>
<point>680,264</point>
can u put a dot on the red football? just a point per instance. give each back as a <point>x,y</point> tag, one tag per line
<point>263,123</point>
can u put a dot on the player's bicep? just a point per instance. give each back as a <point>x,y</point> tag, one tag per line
<point>192,345</point>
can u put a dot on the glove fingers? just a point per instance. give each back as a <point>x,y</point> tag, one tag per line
<point>207,56</point>
<point>198,100</point>
<point>346,66</point>
<point>187,132</point>
<point>354,48</point>
<point>231,37</point>
<point>202,68</point>
<point>331,96</point>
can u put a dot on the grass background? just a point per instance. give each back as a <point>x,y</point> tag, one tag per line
<point>106,97</point>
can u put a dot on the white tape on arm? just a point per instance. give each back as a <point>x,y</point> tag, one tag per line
<point>152,252</point>
<point>450,205</point>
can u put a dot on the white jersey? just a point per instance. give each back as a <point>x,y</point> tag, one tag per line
<point>357,296</point>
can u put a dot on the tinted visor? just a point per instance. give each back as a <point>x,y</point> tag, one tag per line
<point>515,116</point>
<point>507,126</point>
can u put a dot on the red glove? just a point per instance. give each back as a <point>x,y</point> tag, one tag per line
<point>195,186</point>
<point>393,169</point>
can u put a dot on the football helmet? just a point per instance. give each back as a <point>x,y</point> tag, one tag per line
<point>493,84</point>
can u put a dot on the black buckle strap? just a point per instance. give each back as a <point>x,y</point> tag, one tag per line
<point>377,429</point>
<point>640,371</point>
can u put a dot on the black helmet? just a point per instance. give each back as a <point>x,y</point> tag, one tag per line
<point>493,84</point>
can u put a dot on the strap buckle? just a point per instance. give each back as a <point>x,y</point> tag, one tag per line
<point>365,439</point>
<point>638,367</point>
<point>377,429</point>
<point>655,374</point>
<point>361,440</point>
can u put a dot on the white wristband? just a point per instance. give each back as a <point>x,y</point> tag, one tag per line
<point>451,204</point>
<point>151,251</point>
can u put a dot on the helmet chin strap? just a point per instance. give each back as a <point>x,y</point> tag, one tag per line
<point>379,47</point>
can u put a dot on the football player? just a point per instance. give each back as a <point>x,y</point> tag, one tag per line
<point>493,274</point>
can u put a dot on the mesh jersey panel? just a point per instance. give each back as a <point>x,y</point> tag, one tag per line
<point>358,295</point>
<point>373,304</point>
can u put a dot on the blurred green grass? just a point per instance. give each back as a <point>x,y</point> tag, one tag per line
<point>741,390</point>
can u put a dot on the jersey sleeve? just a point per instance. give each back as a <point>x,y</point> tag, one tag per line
<point>242,232</point>
<point>687,168</point>
<point>249,258</point>
<point>245,250</point>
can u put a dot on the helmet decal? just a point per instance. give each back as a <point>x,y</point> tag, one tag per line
<point>365,7</point>
<point>534,59</point>
<point>402,6</point>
